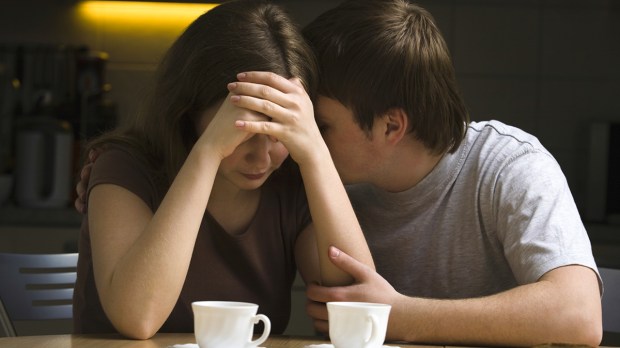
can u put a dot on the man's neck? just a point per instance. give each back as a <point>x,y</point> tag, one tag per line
<point>407,166</point>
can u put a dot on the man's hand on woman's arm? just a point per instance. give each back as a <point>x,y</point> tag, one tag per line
<point>563,306</point>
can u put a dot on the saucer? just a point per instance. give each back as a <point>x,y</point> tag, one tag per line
<point>332,346</point>
<point>189,345</point>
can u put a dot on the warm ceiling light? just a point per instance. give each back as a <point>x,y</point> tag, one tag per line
<point>140,11</point>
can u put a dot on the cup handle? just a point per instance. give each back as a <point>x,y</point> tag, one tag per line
<point>266,331</point>
<point>374,338</point>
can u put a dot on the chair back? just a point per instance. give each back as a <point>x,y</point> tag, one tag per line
<point>611,299</point>
<point>36,287</point>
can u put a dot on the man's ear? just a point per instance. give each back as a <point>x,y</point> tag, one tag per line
<point>396,125</point>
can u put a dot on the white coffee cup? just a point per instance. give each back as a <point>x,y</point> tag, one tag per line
<point>225,324</point>
<point>357,324</point>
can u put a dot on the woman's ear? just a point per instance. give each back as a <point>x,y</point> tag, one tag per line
<point>396,125</point>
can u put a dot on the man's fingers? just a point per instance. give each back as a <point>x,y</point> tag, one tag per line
<point>79,206</point>
<point>80,201</point>
<point>85,172</point>
<point>321,326</point>
<point>356,269</point>
<point>93,154</point>
<point>320,294</point>
<point>316,310</point>
<point>318,313</point>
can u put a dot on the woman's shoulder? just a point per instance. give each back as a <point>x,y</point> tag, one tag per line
<point>121,165</point>
<point>114,157</point>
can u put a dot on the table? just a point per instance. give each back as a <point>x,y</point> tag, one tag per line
<point>161,340</point>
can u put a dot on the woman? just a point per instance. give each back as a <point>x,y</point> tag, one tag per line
<point>188,204</point>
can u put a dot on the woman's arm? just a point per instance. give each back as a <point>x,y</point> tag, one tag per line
<point>292,123</point>
<point>141,258</point>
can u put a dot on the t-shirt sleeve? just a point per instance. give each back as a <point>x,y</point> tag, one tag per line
<point>537,220</point>
<point>119,167</point>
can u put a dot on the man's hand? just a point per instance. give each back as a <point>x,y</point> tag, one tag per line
<point>81,203</point>
<point>368,286</point>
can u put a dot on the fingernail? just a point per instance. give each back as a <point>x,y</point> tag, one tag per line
<point>241,75</point>
<point>232,85</point>
<point>235,98</point>
<point>334,252</point>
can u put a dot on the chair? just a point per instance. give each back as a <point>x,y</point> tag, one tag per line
<point>36,287</point>
<point>611,304</point>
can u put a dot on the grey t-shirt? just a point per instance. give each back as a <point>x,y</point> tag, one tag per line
<point>495,214</point>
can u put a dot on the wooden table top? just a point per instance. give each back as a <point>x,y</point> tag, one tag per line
<point>162,340</point>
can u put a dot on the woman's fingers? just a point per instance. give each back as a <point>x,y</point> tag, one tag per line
<point>272,129</point>
<point>269,86</point>
<point>261,106</point>
<point>259,91</point>
<point>285,101</point>
<point>268,79</point>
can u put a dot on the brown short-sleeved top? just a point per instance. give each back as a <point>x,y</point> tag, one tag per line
<point>257,266</point>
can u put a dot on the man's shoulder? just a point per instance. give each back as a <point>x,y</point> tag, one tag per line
<point>501,131</point>
<point>494,140</point>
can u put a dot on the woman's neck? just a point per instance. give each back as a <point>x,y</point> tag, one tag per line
<point>232,207</point>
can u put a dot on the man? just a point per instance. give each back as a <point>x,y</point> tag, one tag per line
<point>473,230</point>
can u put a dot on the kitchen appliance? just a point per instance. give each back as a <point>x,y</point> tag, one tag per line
<point>44,156</point>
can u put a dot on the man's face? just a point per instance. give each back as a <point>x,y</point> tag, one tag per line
<point>352,149</point>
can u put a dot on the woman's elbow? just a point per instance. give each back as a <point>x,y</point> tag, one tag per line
<point>139,331</point>
<point>140,327</point>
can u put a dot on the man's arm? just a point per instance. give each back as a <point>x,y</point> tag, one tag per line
<point>563,306</point>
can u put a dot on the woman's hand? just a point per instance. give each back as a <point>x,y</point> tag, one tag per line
<point>292,122</point>
<point>218,130</point>
<point>287,105</point>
